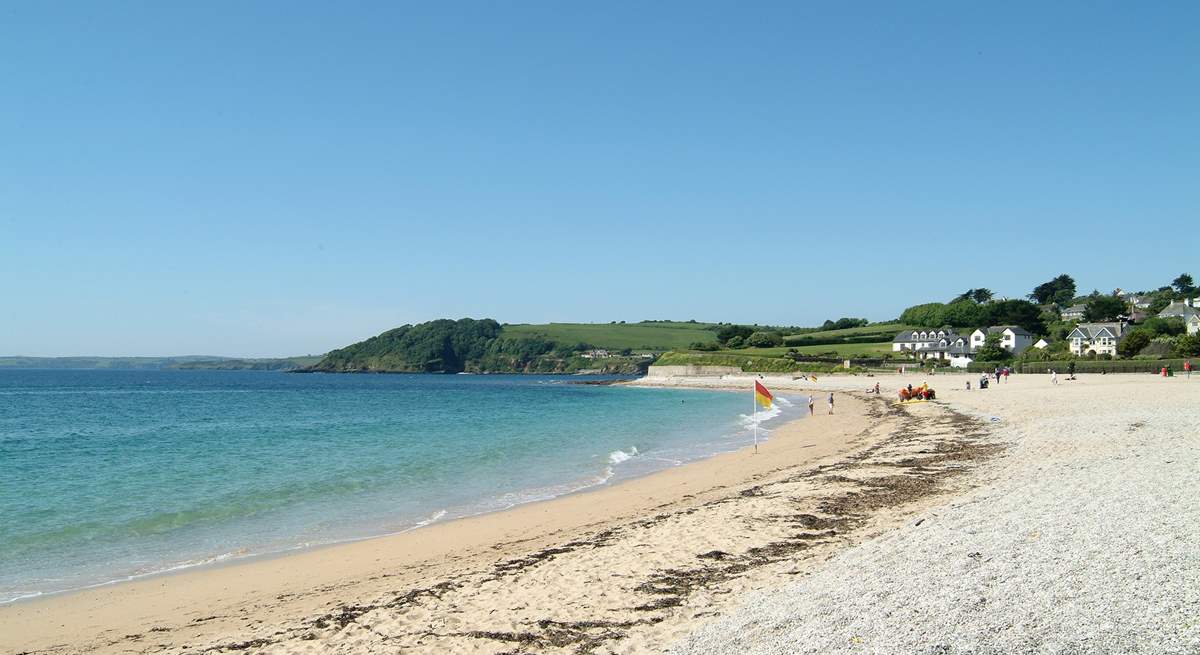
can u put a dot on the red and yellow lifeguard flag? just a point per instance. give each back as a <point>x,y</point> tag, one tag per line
<point>762,396</point>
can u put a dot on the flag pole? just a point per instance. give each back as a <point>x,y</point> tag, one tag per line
<point>754,414</point>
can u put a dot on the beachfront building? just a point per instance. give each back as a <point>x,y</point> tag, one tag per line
<point>1013,338</point>
<point>1073,313</point>
<point>942,343</point>
<point>1098,338</point>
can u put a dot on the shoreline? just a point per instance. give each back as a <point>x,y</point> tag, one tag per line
<point>233,559</point>
<point>92,610</point>
<point>916,508</point>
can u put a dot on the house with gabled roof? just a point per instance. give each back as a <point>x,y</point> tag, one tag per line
<point>946,344</point>
<point>1184,310</point>
<point>1100,338</point>
<point>1073,313</point>
<point>940,343</point>
<point>1013,338</point>
<point>1193,324</point>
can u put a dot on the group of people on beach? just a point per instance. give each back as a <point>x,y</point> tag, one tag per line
<point>812,403</point>
<point>1001,373</point>
<point>923,392</point>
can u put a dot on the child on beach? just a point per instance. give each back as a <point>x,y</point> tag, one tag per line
<point>830,402</point>
<point>811,402</point>
<point>1053,376</point>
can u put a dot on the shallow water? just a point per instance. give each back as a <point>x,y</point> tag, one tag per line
<point>108,475</point>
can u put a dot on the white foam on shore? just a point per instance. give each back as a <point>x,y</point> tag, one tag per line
<point>432,518</point>
<point>485,506</point>
<point>618,456</point>
<point>760,417</point>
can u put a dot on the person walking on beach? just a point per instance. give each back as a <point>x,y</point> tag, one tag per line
<point>811,404</point>
<point>830,402</point>
<point>1053,376</point>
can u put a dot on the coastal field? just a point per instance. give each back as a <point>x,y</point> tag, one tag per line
<point>1028,517</point>
<point>649,336</point>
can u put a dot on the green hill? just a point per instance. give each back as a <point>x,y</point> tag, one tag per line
<point>879,333</point>
<point>483,345</point>
<point>654,336</point>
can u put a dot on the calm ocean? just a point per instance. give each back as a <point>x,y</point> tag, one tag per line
<point>109,475</point>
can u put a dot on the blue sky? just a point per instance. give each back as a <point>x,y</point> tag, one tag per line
<point>277,178</point>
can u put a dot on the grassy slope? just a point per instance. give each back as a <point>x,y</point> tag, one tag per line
<point>890,329</point>
<point>848,349</point>
<point>842,350</point>
<point>616,336</point>
<point>771,359</point>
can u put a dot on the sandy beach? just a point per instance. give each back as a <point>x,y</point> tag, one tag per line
<point>844,533</point>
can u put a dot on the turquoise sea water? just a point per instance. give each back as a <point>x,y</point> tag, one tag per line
<point>108,475</point>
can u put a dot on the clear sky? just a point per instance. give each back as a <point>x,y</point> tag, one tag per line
<point>278,178</point>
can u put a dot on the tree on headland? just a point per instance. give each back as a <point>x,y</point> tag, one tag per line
<point>926,315</point>
<point>968,313</point>
<point>1184,284</point>
<point>963,313</point>
<point>1103,308</point>
<point>1017,312</point>
<point>728,332</point>
<point>1188,346</point>
<point>980,295</point>
<point>1060,291</point>
<point>764,339</point>
<point>1163,327</point>
<point>844,323</point>
<point>1159,300</point>
<point>1133,343</point>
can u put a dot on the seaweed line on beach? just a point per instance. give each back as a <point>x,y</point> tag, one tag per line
<point>914,461</point>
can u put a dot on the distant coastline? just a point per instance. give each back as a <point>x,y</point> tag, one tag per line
<point>182,362</point>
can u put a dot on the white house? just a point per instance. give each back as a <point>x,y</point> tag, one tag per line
<point>1013,338</point>
<point>1073,313</point>
<point>942,343</point>
<point>1193,324</point>
<point>1101,338</point>
<point>946,344</point>
<point>1041,344</point>
<point>1135,300</point>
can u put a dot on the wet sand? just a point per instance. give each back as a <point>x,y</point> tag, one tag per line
<point>626,568</point>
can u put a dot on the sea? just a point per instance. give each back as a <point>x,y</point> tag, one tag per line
<point>111,475</point>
